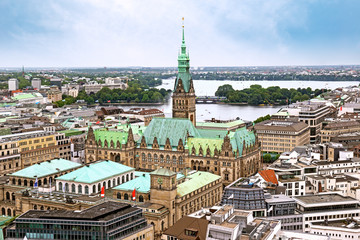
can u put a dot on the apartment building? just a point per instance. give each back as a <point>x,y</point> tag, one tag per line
<point>282,136</point>
<point>10,160</point>
<point>37,146</point>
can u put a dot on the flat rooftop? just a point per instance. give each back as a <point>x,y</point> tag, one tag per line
<point>102,212</point>
<point>324,199</point>
<point>279,198</point>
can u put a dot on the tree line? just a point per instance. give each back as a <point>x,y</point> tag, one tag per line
<point>256,94</point>
<point>135,93</point>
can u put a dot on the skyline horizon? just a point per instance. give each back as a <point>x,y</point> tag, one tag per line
<point>230,33</point>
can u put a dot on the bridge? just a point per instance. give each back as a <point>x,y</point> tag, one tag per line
<point>209,99</point>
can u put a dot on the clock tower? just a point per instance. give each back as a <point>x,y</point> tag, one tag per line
<point>163,190</point>
<point>184,93</point>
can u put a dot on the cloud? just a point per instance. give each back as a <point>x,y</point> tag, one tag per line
<point>147,33</point>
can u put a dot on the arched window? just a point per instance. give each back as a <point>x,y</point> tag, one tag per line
<point>127,177</point>
<point>180,160</point>
<point>86,190</point>
<point>155,158</point>
<point>7,196</point>
<point>126,196</point>
<point>19,182</point>
<point>167,159</point>
<point>109,184</point>
<point>141,198</point>
<point>161,158</point>
<point>35,207</point>
<point>114,182</point>
<point>9,212</point>
<point>80,189</point>
<point>13,196</point>
<point>66,187</point>
<point>25,183</point>
<point>45,181</point>
<point>131,176</point>
<point>122,179</point>
<point>94,189</point>
<point>99,187</point>
<point>174,159</point>
<point>143,156</point>
<point>118,195</point>
<point>118,181</point>
<point>13,181</point>
<point>39,183</point>
<point>104,184</point>
<point>60,186</point>
<point>31,183</point>
<point>149,157</point>
<point>73,188</point>
<point>42,208</point>
<point>3,211</point>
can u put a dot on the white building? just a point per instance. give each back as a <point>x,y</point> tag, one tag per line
<point>36,83</point>
<point>329,207</point>
<point>13,84</point>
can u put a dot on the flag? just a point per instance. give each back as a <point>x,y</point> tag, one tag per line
<point>36,183</point>
<point>270,209</point>
<point>341,108</point>
<point>134,195</point>
<point>103,191</point>
<point>97,122</point>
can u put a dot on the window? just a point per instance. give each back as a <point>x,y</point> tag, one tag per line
<point>80,189</point>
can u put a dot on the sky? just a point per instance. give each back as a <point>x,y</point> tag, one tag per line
<point>123,33</point>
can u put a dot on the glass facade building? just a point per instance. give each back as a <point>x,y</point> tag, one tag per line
<point>109,220</point>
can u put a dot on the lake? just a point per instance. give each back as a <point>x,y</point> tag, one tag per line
<point>224,112</point>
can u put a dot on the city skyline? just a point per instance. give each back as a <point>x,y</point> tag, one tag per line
<point>230,33</point>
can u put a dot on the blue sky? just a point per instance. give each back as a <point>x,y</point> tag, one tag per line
<point>119,33</point>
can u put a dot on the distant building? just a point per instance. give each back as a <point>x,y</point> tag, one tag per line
<point>332,130</point>
<point>54,94</point>
<point>282,136</point>
<point>36,83</point>
<point>108,220</point>
<point>56,81</point>
<point>187,228</point>
<point>13,84</point>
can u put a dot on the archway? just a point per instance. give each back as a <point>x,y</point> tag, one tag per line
<point>117,158</point>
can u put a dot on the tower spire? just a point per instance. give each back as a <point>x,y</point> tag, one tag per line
<point>183,32</point>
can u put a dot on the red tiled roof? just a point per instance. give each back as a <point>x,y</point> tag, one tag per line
<point>269,176</point>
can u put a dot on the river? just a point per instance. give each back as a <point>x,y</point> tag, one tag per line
<point>224,112</point>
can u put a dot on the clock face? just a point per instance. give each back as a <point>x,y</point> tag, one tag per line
<point>160,181</point>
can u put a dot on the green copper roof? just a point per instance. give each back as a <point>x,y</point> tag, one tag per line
<point>172,128</point>
<point>46,168</point>
<point>210,133</point>
<point>119,133</point>
<point>183,66</point>
<point>195,181</point>
<point>204,143</point>
<point>141,183</point>
<point>96,172</point>
<point>69,133</point>
<point>238,137</point>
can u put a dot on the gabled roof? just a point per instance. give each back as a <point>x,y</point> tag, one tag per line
<point>238,137</point>
<point>96,172</point>
<point>204,143</point>
<point>195,181</point>
<point>172,128</point>
<point>269,176</point>
<point>46,168</point>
